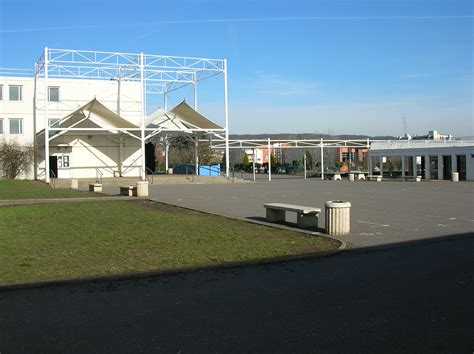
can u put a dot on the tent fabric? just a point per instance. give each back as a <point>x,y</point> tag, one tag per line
<point>182,117</point>
<point>188,115</point>
<point>97,116</point>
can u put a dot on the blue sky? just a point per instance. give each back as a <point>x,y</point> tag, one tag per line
<point>339,66</point>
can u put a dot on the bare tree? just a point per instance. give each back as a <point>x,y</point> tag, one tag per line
<point>15,159</point>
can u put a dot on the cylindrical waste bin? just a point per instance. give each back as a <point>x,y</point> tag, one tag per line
<point>455,176</point>
<point>338,217</point>
<point>351,177</point>
<point>74,183</point>
<point>142,189</point>
<point>170,171</point>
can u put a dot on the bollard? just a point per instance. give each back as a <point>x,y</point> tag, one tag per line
<point>338,217</point>
<point>351,177</point>
<point>74,184</point>
<point>170,171</point>
<point>455,176</point>
<point>142,189</point>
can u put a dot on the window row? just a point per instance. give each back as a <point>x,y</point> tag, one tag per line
<point>15,93</point>
<point>15,126</point>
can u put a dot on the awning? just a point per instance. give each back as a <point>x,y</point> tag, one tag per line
<point>182,117</point>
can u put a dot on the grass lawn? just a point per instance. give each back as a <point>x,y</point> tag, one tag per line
<point>20,189</point>
<point>68,240</point>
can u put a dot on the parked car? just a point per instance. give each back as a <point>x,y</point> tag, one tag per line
<point>184,169</point>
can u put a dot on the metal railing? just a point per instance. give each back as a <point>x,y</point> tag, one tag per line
<point>98,176</point>
<point>147,175</point>
<point>52,179</point>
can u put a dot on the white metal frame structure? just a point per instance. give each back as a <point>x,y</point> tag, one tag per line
<point>157,74</point>
<point>295,144</point>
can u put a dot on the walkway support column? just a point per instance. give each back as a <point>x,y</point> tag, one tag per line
<point>196,155</point>
<point>304,164</point>
<point>167,148</point>
<point>46,123</point>
<point>269,161</point>
<point>322,159</point>
<point>226,112</point>
<point>381,166</point>
<point>142,122</point>
<point>403,165</point>
<point>414,165</point>
<point>427,167</point>
<point>440,167</point>
<point>253,164</point>
<point>454,163</point>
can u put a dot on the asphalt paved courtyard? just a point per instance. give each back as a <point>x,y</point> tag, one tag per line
<point>382,212</point>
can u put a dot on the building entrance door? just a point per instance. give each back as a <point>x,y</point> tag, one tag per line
<point>447,167</point>
<point>461,167</point>
<point>53,167</point>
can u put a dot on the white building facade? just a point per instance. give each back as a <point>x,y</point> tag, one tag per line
<point>85,153</point>
<point>431,159</point>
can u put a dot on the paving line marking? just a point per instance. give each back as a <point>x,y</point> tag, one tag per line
<point>373,223</point>
<point>386,225</point>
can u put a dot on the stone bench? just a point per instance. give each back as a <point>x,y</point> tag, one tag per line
<point>95,187</point>
<point>307,216</point>
<point>361,177</point>
<point>377,178</point>
<point>337,177</point>
<point>129,191</point>
<point>412,178</point>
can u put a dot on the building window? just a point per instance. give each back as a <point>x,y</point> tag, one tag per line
<point>15,92</point>
<point>1,92</point>
<point>16,126</point>
<point>1,126</point>
<point>53,94</point>
<point>345,156</point>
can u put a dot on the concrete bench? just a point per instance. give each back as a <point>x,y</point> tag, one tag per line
<point>307,216</point>
<point>361,177</point>
<point>412,178</point>
<point>377,178</point>
<point>337,177</point>
<point>95,187</point>
<point>129,191</point>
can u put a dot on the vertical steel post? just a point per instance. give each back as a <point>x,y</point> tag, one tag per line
<point>35,158</point>
<point>142,122</point>
<point>46,123</point>
<point>226,112</point>
<point>403,165</point>
<point>253,168</point>
<point>304,164</point>
<point>269,161</point>
<point>196,155</point>
<point>322,159</point>
<point>167,147</point>
<point>195,92</point>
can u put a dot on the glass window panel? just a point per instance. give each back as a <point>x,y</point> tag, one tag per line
<point>53,94</point>
<point>16,126</point>
<point>15,93</point>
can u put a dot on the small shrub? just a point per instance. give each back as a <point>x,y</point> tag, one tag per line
<point>15,159</point>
